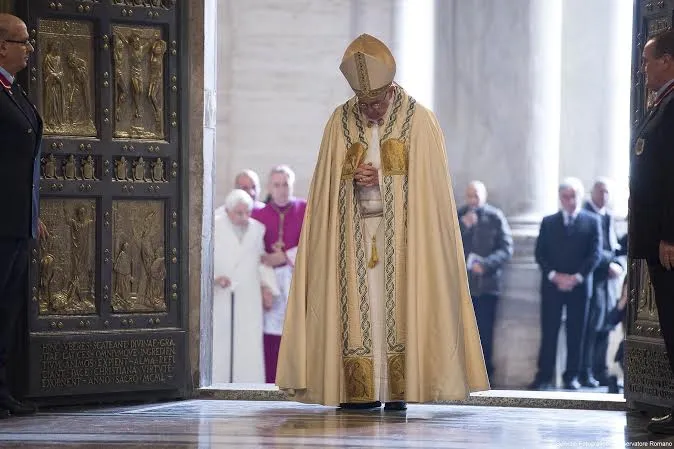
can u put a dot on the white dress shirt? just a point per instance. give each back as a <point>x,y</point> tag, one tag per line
<point>568,219</point>
<point>6,74</point>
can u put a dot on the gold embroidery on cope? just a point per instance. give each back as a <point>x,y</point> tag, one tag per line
<point>396,369</point>
<point>359,378</point>
<point>639,147</point>
<point>354,157</point>
<point>394,158</point>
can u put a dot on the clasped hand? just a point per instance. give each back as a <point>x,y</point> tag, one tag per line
<point>666,251</point>
<point>477,268</point>
<point>223,281</point>
<point>366,175</point>
<point>565,282</point>
<point>267,298</point>
<point>469,219</point>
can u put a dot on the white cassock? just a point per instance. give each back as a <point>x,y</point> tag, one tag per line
<point>273,318</point>
<point>237,256</point>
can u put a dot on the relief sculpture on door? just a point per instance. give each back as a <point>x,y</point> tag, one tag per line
<point>67,56</point>
<point>138,59</point>
<point>67,274</point>
<point>139,262</point>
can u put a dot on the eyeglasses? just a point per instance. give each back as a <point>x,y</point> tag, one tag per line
<point>378,104</point>
<point>373,105</point>
<point>25,43</point>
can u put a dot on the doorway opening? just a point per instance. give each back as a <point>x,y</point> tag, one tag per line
<point>271,113</point>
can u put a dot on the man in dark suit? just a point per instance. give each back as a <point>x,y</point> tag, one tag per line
<point>487,246</point>
<point>651,217</point>
<point>567,251</point>
<point>594,370</point>
<point>21,134</point>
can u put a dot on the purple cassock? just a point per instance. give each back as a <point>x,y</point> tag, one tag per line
<point>283,226</point>
<point>284,222</point>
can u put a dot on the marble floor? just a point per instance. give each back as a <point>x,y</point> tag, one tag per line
<point>248,424</point>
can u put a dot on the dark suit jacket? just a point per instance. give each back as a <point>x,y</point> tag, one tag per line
<point>21,134</point>
<point>622,241</point>
<point>491,239</point>
<point>651,216</point>
<point>572,251</point>
<point>601,296</point>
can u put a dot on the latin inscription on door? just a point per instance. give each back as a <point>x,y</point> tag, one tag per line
<point>99,363</point>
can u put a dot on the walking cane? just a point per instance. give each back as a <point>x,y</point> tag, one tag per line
<point>231,343</point>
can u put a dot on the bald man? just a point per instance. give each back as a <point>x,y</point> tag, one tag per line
<point>21,134</point>
<point>249,181</point>
<point>487,246</point>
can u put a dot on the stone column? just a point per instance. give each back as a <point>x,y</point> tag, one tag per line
<point>415,48</point>
<point>497,83</point>
<point>596,61</point>
<point>497,98</point>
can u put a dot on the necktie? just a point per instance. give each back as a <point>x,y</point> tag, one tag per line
<point>569,224</point>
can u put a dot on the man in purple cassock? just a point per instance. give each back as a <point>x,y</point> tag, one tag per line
<point>282,218</point>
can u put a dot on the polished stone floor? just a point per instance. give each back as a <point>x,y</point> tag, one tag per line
<point>247,424</point>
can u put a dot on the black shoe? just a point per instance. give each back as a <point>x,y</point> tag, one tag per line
<point>360,405</point>
<point>589,382</point>
<point>612,385</point>
<point>15,407</point>
<point>540,386</point>
<point>572,385</point>
<point>4,414</point>
<point>663,425</point>
<point>395,406</point>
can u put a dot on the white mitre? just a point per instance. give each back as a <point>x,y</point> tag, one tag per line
<point>368,66</point>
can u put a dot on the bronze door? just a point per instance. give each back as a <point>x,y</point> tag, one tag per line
<point>107,311</point>
<point>648,377</point>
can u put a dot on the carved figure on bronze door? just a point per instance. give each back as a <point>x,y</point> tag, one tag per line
<point>54,98</point>
<point>138,56</point>
<point>67,257</point>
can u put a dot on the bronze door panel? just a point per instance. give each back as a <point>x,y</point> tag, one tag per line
<point>7,6</point>
<point>68,257</point>
<point>66,77</point>
<point>107,310</point>
<point>139,257</point>
<point>138,59</point>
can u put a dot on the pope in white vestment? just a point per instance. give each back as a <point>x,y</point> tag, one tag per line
<point>379,308</point>
<point>237,270</point>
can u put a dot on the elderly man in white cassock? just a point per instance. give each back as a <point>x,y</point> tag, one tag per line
<point>241,283</point>
<point>379,309</point>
